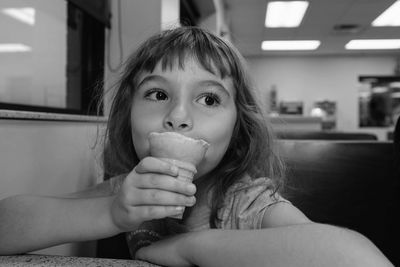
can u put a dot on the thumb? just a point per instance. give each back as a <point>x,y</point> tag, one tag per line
<point>140,255</point>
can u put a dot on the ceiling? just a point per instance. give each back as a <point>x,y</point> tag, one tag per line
<point>246,22</point>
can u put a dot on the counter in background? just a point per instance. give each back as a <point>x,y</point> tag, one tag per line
<point>295,123</point>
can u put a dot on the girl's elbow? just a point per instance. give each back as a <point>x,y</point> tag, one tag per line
<point>360,251</point>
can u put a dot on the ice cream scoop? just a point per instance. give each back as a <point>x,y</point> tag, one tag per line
<point>182,151</point>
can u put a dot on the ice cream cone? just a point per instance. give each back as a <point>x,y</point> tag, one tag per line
<point>182,151</point>
<point>186,170</point>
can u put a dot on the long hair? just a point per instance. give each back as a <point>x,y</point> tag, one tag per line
<point>251,150</point>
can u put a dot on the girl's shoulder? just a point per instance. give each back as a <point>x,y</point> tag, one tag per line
<point>246,202</point>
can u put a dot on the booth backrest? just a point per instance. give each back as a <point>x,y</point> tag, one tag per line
<point>396,139</point>
<point>351,184</point>
<point>320,135</point>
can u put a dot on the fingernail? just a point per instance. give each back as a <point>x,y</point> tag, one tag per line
<point>192,201</point>
<point>191,188</point>
<point>174,169</point>
<point>179,208</point>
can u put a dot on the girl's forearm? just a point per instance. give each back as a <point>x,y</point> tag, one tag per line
<point>301,245</point>
<point>30,223</point>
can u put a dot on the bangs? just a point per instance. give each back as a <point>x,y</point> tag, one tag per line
<point>173,47</point>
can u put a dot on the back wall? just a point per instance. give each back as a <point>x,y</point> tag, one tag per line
<point>311,79</point>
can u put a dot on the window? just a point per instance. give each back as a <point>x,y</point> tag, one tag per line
<point>52,55</point>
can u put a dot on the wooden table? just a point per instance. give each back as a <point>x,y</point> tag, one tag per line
<point>52,260</point>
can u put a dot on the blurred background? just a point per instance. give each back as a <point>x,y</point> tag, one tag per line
<point>54,54</point>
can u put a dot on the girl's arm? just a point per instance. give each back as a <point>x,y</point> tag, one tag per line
<point>305,245</point>
<point>150,191</point>
<point>106,188</point>
<point>30,223</point>
<point>298,245</point>
<point>291,240</point>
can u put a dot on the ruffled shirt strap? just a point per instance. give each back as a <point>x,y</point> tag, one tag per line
<point>246,202</point>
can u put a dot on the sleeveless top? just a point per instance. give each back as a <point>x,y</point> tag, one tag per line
<point>243,208</point>
<point>246,202</point>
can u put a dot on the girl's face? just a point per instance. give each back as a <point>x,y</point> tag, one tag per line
<point>191,101</point>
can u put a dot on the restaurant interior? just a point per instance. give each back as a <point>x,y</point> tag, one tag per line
<point>326,73</point>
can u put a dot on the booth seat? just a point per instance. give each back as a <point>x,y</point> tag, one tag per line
<point>350,184</point>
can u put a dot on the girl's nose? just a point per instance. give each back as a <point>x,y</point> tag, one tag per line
<point>178,119</point>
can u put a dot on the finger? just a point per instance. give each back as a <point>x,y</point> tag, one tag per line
<point>165,182</point>
<point>155,165</point>
<point>159,197</point>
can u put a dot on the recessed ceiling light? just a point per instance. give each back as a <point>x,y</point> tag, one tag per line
<point>290,45</point>
<point>25,14</point>
<point>285,14</point>
<point>389,17</point>
<point>371,44</point>
<point>10,48</point>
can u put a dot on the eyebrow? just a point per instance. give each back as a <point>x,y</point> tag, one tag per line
<point>215,83</point>
<point>151,78</point>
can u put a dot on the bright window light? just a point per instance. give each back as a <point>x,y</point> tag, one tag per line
<point>290,45</point>
<point>25,14</point>
<point>370,44</point>
<point>389,17</point>
<point>11,48</point>
<point>282,14</point>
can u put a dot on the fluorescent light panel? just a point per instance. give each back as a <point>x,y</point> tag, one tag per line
<point>390,17</point>
<point>11,48</point>
<point>290,45</point>
<point>371,44</point>
<point>282,14</point>
<point>24,14</point>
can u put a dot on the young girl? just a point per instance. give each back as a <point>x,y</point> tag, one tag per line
<point>188,81</point>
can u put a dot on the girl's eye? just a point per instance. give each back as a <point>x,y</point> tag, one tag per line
<point>156,95</point>
<point>209,99</point>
